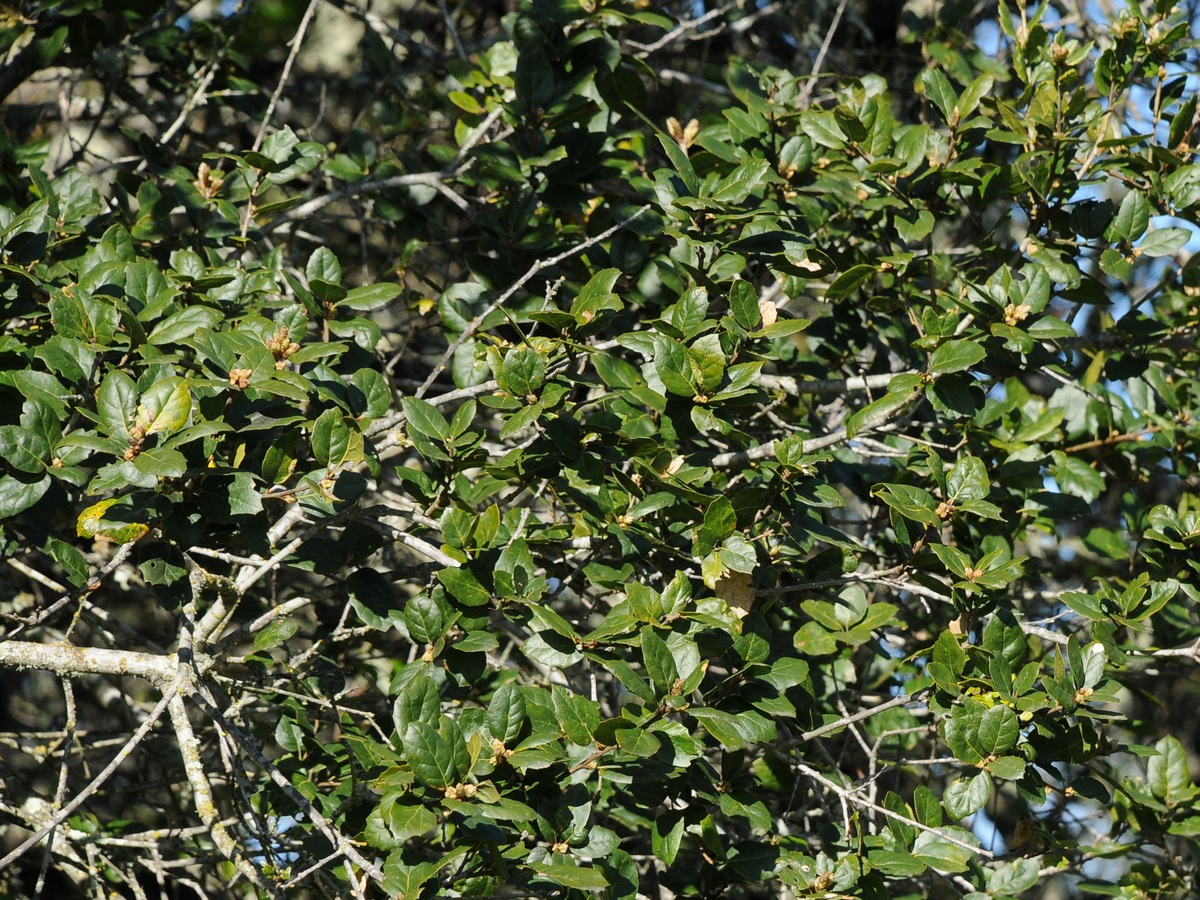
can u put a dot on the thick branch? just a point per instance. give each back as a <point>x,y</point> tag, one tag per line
<point>69,660</point>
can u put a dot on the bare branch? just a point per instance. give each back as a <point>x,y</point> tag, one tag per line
<point>297,41</point>
<point>851,796</point>
<point>345,845</point>
<point>69,660</point>
<point>830,387</point>
<point>96,783</point>
<point>202,796</point>
<point>855,717</point>
<point>806,91</point>
<point>738,459</point>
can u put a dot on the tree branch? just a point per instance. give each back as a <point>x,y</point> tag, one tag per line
<point>854,717</point>
<point>96,783</point>
<point>538,266</point>
<point>850,796</point>
<point>741,458</point>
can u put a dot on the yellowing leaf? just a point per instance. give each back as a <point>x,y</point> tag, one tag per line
<point>737,590</point>
<point>92,524</point>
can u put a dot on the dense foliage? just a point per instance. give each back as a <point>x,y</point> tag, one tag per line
<point>582,447</point>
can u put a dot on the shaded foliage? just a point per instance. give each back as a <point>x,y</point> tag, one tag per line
<point>582,448</point>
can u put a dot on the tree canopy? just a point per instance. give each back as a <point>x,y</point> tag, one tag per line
<point>570,448</point>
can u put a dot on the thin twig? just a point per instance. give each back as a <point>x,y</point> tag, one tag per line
<point>850,795</point>
<point>322,824</point>
<point>248,578</point>
<point>297,40</point>
<point>537,267</point>
<point>306,209</point>
<point>855,717</point>
<point>96,783</point>
<point>93,584</point>
<point>682,29</point>
<point>739,459</point>
<point>60,792</point>
<point>806,91</point>
<point>458,44</point>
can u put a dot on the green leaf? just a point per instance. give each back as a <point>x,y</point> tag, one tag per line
<point>913,226</point>
<point>1010,768</point>
<point>683,165</point>
<point>597,297</point>
<point>666,835</point>
<point>1167,772</point>
<point>1075,476</point>
<point>418,701</point>
<point>430,756</point>
<point>24,450</point>
<point>849,281</point>
<point>823,128</point>
<point>424,418</point>
<point>998,731</point>
<point>1131,220</point>
<point>161,462</point>
<point>323,266</point>
<point>660,662</point>
<point>577,715</point>
<point>514,575</point>
<point>425,620</point>
<point>645,602</point>
<point>523,372</point>
<point>942,855</point>
<point>969,99</point>
<point>16,496</point>
<point>370,296</point>
<point>735,187</point>
<point>911,502</point>
<point>967,796</point>
<point>275,634</point>
<point>689,313</point>
<point>637,741</point>
<point>933,83</point>
<point>895,863</point>
<point>743,301</point>
<point>955,356</point>
<point>879,412</point>
<point>116,403</point>
<point>551,649</point>
<point>464,587</point>
<point>70,560</point>
<point>331,438</point>
<point>968,480</point>
<point>506,713</point>
<point>673,366</point>
<point>571,876</point>
<point>721,725</point>
<point>707,362</point>
<point>408,820</point>
<point>1164,241</point>
<point>1012,878</point>
<point>183,324</point>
